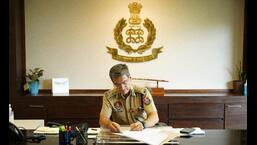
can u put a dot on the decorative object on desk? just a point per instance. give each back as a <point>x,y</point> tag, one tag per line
<point>238,83</point>
<point>60,86</point>
<point>66,136</point>
<point>154,91</point>
<point>32,80</point>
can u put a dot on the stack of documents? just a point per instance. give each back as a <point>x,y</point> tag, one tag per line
<point>152,136</point>
<point>92,133</point>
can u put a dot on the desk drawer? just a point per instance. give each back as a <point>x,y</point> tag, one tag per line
<point>74,107</point>
<point>73,111</point>
<point>236,116</point>
<point>202,123</point>
<point>73,121</point>
<point>30,111</point>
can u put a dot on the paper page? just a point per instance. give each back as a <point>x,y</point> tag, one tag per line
<point>28,124</point>
<point>47,130</point>
<point>152,136</point>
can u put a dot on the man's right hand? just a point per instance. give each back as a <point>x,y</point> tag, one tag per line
<point>114,127</point>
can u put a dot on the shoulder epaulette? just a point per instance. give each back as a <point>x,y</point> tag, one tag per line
<point>140,90</point>
<point>111,93</point>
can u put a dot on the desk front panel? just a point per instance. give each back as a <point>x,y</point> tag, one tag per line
<point>212,137</point>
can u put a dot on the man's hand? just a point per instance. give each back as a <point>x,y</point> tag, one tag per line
<point>114,127</point>
<point>138,126</point>
<point>107,123</point>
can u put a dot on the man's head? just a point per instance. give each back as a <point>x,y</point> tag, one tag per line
<point>120,77</point>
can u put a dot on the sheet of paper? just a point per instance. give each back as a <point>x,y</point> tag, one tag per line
<point>29,124</point>
<point>152,136</point>
<point>123,128</point>
<point>91,136</point>
<point>47,130</point>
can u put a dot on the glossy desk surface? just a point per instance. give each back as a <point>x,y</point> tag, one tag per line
<point>211,137</point>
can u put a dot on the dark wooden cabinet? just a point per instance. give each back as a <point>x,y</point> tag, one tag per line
<point>236,115</point>
<point>75,110</point>
<point>207,112</point>
<point>204,115</point>
<point>30,108</point>
<point>163,112</point>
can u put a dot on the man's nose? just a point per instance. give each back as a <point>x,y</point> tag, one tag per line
<point>122,86</point>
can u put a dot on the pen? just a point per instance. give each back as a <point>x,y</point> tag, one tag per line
<point>94,129</point>
<point>81,134</point>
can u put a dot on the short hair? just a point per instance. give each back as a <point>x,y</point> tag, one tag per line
<point>119,70</point>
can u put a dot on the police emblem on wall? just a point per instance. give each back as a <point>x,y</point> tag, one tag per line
<point>132,38</point>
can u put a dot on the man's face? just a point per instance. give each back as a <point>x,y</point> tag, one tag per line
<point>122,84</point>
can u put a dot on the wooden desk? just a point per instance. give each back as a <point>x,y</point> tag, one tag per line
<point>212,137</point>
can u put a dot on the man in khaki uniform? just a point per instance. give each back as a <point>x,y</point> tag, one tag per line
<point>126,104</point>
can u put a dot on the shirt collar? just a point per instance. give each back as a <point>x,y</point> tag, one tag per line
<point>131,93</point>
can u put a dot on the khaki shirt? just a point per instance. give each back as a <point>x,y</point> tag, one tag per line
<point>127,110</point>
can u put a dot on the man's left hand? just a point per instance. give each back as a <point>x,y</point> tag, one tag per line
<point>138,126</point>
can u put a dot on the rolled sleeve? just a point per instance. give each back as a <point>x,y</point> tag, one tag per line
<point>106,107</point>
<point>150,107</point>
